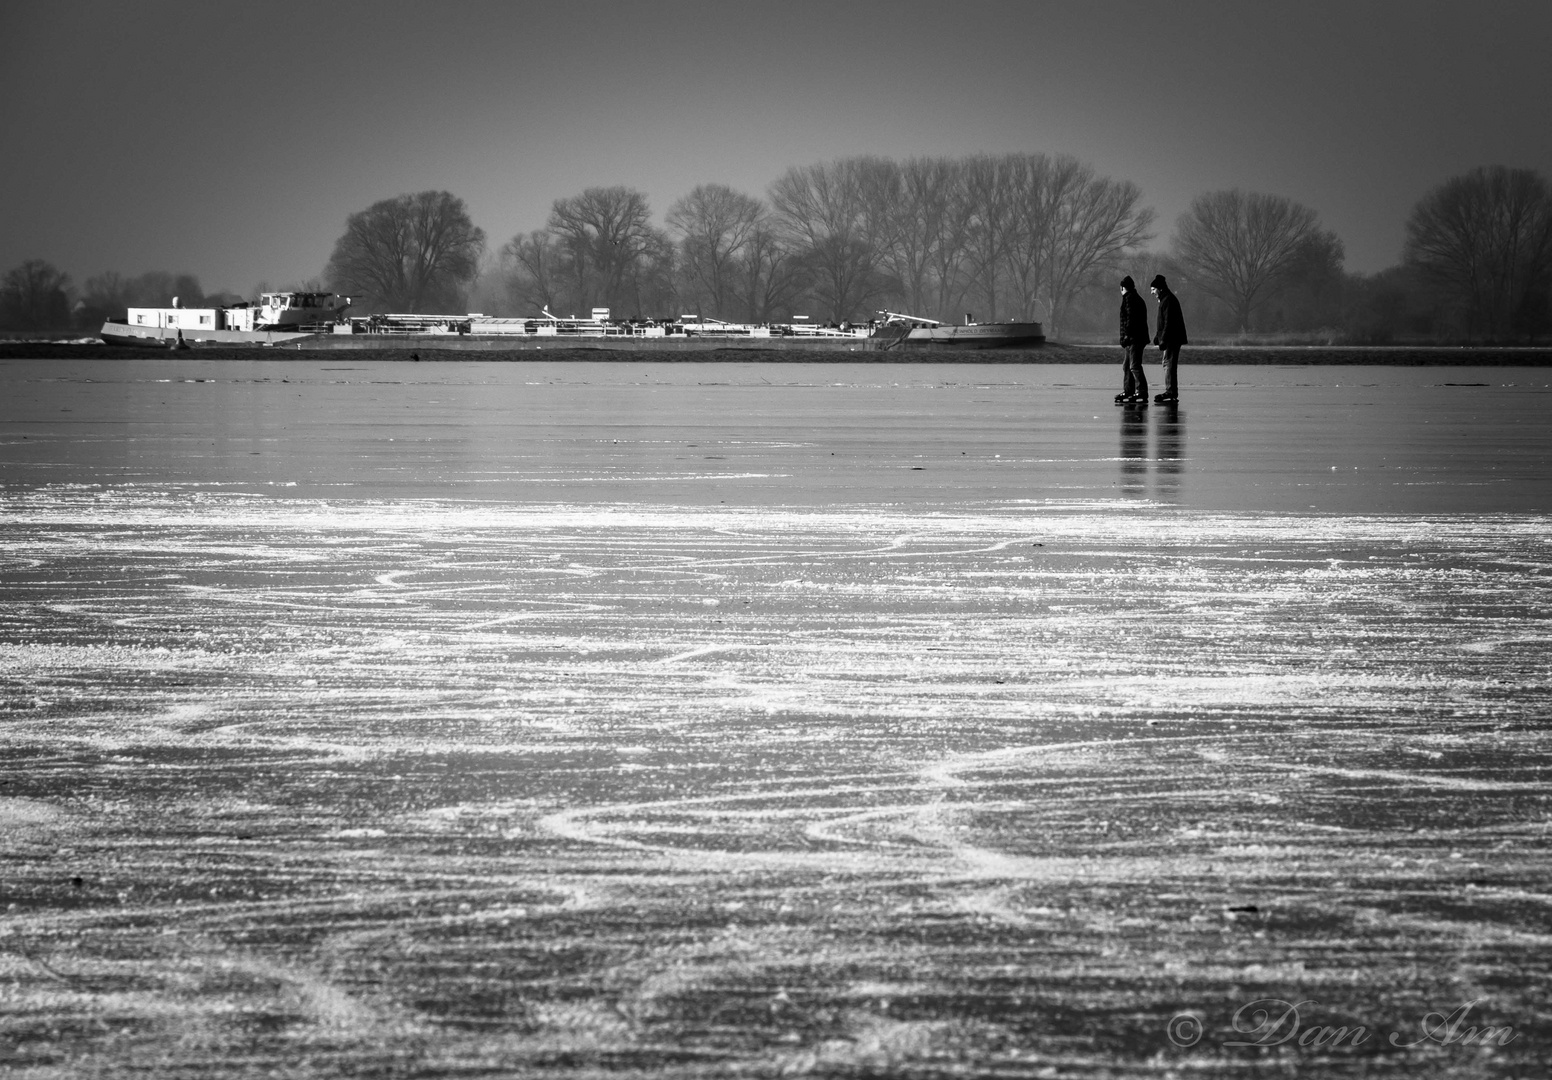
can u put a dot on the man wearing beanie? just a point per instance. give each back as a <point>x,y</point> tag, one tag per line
<point>1171,335</point>
<point>1134,339</point>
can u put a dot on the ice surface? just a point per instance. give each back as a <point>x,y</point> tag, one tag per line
<point>593,719</point>
<point>1333,439</point>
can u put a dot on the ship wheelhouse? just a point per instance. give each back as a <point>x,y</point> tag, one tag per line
<point>277,309</point>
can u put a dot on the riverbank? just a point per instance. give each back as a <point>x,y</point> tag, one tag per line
<point>1050,353</point>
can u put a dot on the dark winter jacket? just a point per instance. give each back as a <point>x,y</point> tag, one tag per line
<point>1134,319</point>
<point>1172,324</point>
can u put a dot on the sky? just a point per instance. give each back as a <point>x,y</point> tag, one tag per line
<point>232,140</point>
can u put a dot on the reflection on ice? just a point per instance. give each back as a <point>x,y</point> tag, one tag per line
<point>1355,440</point>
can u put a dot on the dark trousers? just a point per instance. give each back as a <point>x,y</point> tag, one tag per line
<point>1133,381</point>
<point>1170,359</point>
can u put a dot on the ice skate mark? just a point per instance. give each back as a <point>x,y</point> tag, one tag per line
<point>979,862</point>
<point>194,986</point>
<point>742,956</point>
<point>182,726</point>
<point>539,610</point>
<point>946,773</point>
<point>707,650</point>
<point>1413,779</point>
<point>250,734</point>
<point>185,715</point>
<point>22,563</point>
<point>430,590</point>
<point>1487,645</point>
<point>900,547</point>
<point>575,825</point>
<point>323,1002</point>
<point>1003,545</point>
<point>830,832</point>
<point>418,911</point>
<point>994,903</point>
<point>27,821</point>
<point>384,910</point>
<point>1479,933</point>
<point>987,864</point>
<point>598,825</point>
<point>872,1045</point>
<point>984,862</point>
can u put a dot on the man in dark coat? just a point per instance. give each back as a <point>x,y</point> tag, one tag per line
<point>1134,339</point>
<point>1170,336</point>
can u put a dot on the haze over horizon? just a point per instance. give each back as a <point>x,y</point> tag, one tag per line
<point>232,141</point>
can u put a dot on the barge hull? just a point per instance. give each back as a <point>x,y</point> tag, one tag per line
<point>527,343</point>
<point>986,336</point>
<point>976,336</point>
<point>123,334</point>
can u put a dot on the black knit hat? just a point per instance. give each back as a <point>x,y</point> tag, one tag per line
<point>1127,283</point>
<point>1158,282</point>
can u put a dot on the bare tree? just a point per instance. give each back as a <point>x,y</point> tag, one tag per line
<point>491,291</point>
<point>1312,290</point>
<point>530,266</point>
<point>988,187</point>
<point>410,253</point>
<point>1032,208</point>
<point>158,288</point>
<point>925,232</point>
<point>714,224</point>
<point>820,210</point>
<point>771,277</point>
<point>1485,239</point>
<point>951,277</point>
<point>107,295</point>
<point>844,236</point>
<point>1093,221</point>
<point>651,280</point>
<point>104,296</point>
<point>880,190</point>
<point>608,244</point>
<point>35,296</point>
<point>1239,246</point>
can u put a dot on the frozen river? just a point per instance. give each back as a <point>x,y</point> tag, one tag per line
<point>683,719</point>
<point>956,437</point>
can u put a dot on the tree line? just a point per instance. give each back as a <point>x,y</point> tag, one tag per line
<point>1015,236</point>
<point>38,296</point>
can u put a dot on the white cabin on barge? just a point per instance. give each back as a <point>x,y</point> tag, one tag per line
<point>293,314</point>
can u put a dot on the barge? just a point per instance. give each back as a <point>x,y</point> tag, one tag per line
<point>913,331</point>
<point>279,318</point>
<point>310,320</point>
